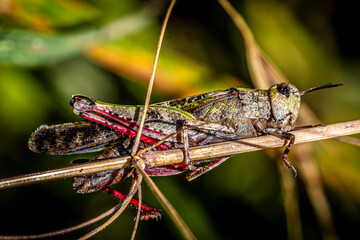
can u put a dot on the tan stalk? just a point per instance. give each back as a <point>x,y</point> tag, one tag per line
<point>350,140</point>
<point>137,214</point>
<point>291,205</point>
<point>118,209</point>
<point>152,78</point>
<point>167,205</point>
<point>65,230</point>
<point>157,158</point>
<point>310,173</point>
<point>264,74</point>
<point>173,213</point>
<point>134,187</point>
<point>262,70</point>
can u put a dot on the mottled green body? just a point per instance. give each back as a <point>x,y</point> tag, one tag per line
<point>245,112</point>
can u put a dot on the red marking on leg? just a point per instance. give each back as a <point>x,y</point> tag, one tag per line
<point>147,211</point>
<point>131,125</point>
<point>167,170</point>
<point>120,128</point>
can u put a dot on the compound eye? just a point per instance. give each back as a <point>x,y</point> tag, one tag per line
<point>284,89</point>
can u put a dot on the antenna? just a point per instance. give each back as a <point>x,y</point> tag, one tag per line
<point>328,85</point>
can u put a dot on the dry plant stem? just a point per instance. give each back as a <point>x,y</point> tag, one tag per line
<point>263,71</point>
<point>152,77</point>
<point>156,158</point>
<point>173,213</point>
<point>65,230</point>
<point>238,20</point>
<point>252,144</point>
<point>311,177</point>
<point>137,214</point>
<point>184,229</point>
<point>291,203</point>
<point>350,140</point>
<point>310,173</point>
<point>264,74</point>
<point>119,207</point>
<point>64,172</point>
<point>135,186</point>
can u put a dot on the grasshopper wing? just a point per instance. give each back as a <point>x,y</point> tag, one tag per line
<point>72,138</point>
<point>197,101</point>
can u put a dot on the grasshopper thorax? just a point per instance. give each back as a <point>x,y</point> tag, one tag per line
<point>285,103</point>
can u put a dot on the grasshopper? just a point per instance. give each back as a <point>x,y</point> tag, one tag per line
<point>213,117</point>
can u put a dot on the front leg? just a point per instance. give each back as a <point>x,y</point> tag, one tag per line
<point>289,142</point>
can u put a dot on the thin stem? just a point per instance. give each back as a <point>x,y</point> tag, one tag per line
<point>65,172</point>
<point>176,217</point>
<point>137,214</point>
<point>184,229</point>
<point>65,230</point>
<point>239,21</point>
<point>157,158</point>
<point>291,203</point>
<point>135,186</point>
<point>263,71</point>
<point>349,140</point>
<point>152,78</point>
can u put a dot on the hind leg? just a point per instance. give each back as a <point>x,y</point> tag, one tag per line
<point>147,212</point>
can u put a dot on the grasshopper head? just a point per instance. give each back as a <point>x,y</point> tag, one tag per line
<point>285,102</point>
<point>81,104</point>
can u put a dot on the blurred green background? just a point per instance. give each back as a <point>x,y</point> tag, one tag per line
<point>51,49</point>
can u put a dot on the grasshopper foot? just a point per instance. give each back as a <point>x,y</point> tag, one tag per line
<point>154,214</point>
<point>288,164</point>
